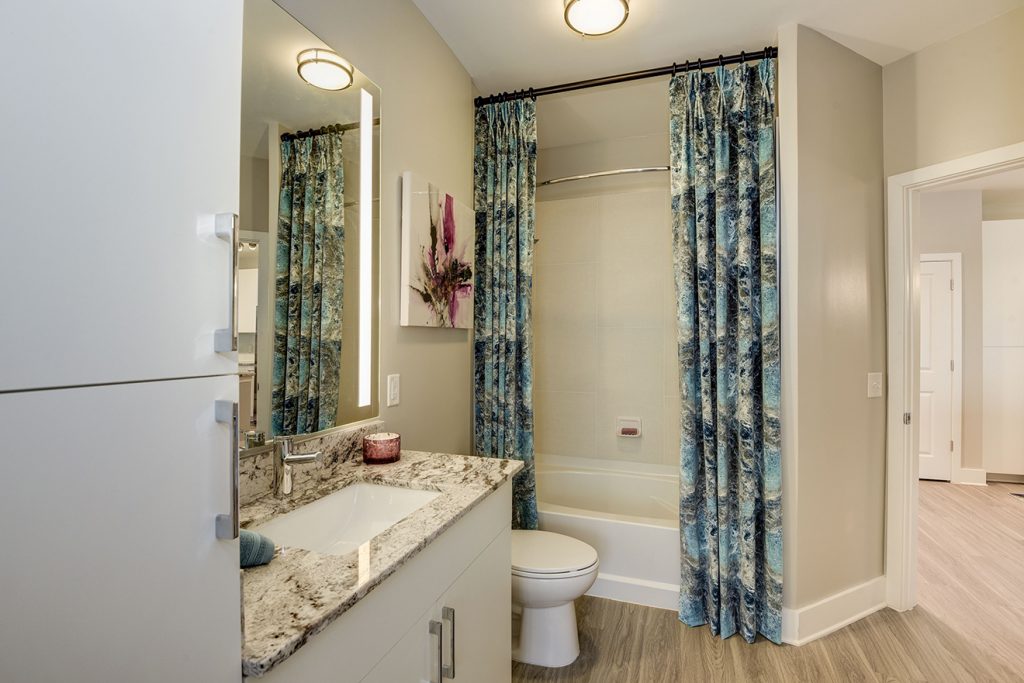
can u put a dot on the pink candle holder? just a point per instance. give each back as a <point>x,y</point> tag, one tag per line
<point>380,449</point>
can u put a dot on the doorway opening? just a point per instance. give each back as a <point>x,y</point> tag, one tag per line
<point>933,355</point>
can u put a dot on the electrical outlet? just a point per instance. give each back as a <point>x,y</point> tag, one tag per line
<point>394,390</point>
<point>874,385</point>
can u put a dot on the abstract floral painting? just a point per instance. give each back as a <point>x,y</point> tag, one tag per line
<point>437,257</point>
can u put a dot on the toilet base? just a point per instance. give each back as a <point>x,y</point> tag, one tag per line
<point>548,636</point>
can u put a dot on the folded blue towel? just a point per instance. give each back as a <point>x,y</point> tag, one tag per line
<point>256,549</point>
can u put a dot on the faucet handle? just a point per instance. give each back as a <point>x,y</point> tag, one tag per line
<point>299,458</point>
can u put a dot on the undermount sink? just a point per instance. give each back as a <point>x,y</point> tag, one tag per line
<point>340,522</point>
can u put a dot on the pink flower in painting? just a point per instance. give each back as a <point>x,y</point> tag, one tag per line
<point>446,277</point>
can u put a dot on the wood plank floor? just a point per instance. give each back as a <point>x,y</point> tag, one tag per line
<point>968,625</point>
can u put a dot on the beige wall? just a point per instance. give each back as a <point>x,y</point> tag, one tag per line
<point>951,222</point>
<point>427,127</point>
<point>957,97</point>
<point>253,190</point>
<point>1002,205</point>
<point>834,305</point>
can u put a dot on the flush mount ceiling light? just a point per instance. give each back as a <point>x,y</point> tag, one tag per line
<point>324,69</point>
<point>595,17</point>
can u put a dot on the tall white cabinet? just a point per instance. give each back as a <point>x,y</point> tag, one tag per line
<point>1003,342</point>
<point>121,123</point>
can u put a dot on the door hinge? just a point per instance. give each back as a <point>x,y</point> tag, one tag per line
<point>950,445</point>
<point>951,365</point>
<point>951,287</point>
<point>906,418</point>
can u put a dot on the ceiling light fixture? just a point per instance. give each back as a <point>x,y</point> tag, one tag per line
<point>324,69</point>
<point>595,17</point>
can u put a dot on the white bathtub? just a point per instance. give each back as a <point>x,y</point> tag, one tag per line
<point>630,516</point>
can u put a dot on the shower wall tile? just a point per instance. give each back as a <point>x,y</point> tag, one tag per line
<point>567,231</point>
<point>629,385</point>
<point>635,225</point>
<point>564,422</point>
<point>630,293</point>
<point>564,358</point>
<point>604,326</point>
<point>573,297</point>
<point>671,405</point>
<point>670,361</point>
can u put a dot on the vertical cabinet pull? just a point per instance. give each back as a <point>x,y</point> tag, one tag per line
<point>226,412</point>
<point>226,227</point>
<point>448,614</point>
<point>436,629</point>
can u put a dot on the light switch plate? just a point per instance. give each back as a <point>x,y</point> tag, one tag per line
<point>394,390</point>
<point>874,385</point>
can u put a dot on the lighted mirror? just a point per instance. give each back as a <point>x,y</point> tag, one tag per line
<point>308,232</point>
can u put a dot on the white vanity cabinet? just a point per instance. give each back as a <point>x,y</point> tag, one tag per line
<point>386,636</point>
<point>475,628</point>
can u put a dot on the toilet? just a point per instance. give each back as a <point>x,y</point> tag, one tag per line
<point>549,571</point>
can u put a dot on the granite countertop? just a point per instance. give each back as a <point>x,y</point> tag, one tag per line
<point>300,592</point>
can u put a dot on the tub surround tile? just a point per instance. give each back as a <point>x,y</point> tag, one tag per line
<point>300,592</point>
<point>256,472</point>
<point>564,422</point>
<point>565,358</point>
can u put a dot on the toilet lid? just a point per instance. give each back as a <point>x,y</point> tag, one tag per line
<point>542,552</point>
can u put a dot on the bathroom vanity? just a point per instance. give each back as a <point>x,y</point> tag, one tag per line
<point>426,598</point>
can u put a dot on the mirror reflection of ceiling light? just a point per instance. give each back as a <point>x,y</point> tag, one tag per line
<point>324,69</point>
<point>595,17</point>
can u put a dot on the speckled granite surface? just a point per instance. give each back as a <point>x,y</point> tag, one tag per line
<point>256,469</point>
<point>300,592</point>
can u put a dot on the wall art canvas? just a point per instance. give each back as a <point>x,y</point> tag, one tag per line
<point>437,257</point>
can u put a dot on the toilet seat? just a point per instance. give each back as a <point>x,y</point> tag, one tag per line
<point>545,555</point>
<point>551,576</point>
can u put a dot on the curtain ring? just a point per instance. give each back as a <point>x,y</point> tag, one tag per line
<point>743,57</point>
<point>721,60</point>
<point>700,64</point>
<point>673,69</point>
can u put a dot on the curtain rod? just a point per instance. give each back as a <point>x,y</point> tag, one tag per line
<point>603,174</point>
<point>335,128</point>
<point>670,70</point>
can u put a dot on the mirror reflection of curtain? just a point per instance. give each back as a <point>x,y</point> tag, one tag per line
<point>309,285</point>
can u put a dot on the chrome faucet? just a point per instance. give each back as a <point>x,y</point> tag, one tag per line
<point>284,460</point>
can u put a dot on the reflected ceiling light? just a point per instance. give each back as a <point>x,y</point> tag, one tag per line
<point>595,17</point>
<point>324,69</point>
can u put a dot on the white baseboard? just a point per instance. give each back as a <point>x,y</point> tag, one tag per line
<point>804,624</point>
<point>636,591</point>
<point>966,475</point>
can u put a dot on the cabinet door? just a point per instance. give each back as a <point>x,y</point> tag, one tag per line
<point>414,658</point>
<point>482,601</point>
<point>109,565</point>
<point>122,122</point>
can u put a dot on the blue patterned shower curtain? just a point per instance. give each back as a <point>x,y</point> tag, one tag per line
<point>309,285</point>
<point>725,253</point>
<point>505,183</point>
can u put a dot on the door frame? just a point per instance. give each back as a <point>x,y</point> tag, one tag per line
<point>956,397</point>
<point>903,333</point>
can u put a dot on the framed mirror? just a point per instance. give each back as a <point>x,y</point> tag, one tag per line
<point>309,238</point>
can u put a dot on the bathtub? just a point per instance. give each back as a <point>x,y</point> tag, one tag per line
<point>629,514</point>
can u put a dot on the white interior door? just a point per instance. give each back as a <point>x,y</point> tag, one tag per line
<point>110,569</point>
<point>119,137</point>
<point>936,423</point>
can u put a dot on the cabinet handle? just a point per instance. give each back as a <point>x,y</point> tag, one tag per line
<point>448,613</point>
<point>226,412</point>
<point>437,629</point>
<point>226,228</point>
